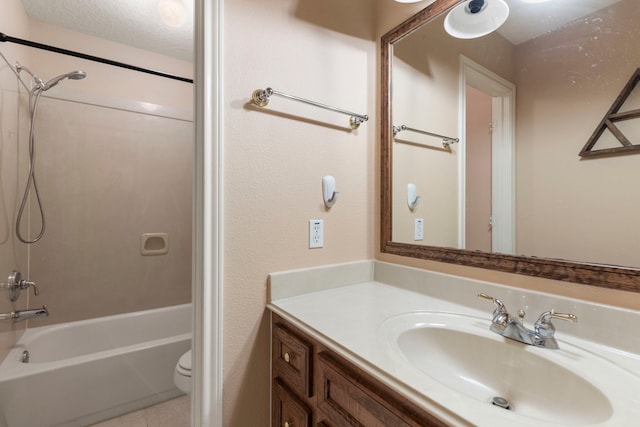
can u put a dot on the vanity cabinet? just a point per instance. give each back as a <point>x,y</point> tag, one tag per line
<point>314,386</point>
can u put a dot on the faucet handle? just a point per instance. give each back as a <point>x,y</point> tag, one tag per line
<point>500,308</point>
<point>501,317</point>
<point>16,283</point>
<point>24,284</point>
<point>545,328</point>
<point>548,315</point>
<point>565,316</point>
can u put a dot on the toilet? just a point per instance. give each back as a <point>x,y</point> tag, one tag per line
<point>182,374</point>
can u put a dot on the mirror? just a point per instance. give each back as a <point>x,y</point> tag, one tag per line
<point>523,101</point>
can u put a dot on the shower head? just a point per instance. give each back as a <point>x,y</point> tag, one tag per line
<point>74,75</point>
<point>40,84</point>
<point>77,75</point>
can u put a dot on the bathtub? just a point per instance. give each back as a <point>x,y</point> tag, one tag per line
<point>83,372</point>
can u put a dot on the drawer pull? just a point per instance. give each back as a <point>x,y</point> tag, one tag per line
<point>287,358</point>
<point>288,424</point>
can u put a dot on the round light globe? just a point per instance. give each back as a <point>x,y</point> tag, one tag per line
<point>427,2</point>
<point>172,12</point>
<point>463,24</point>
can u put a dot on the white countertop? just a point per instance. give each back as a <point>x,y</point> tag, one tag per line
<point>348,319</point>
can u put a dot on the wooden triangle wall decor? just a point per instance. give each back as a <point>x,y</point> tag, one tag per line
<point>608,122</point>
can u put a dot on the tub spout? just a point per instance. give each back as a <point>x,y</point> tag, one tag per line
<point>30,314</point>
<point>20,315</point>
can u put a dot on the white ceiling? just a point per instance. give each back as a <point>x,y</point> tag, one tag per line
<point>133,22</point>
<point>137,22</point>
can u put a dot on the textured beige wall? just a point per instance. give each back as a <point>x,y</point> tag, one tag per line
<point>274,161</point>
<point>390,14</point>
<point>13,256</point>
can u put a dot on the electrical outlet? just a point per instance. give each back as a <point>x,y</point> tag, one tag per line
<point>316,233</point>
<point>418,229</point>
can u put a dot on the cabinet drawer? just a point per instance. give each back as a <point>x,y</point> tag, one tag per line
<point>292,357</point>
<point>288,410</point>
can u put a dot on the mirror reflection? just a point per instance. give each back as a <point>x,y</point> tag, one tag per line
<point>523,102</point>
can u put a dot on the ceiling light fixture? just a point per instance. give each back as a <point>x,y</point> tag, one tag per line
<point>172,12</point>
<point>476,18</point>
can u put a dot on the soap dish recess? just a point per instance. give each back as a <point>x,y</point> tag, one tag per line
<point>154,244</point>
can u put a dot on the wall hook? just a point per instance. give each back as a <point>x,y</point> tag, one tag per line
<point>412,199</point>
<point>329,193</point>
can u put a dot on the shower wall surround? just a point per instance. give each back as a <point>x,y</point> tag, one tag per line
<point>12,106</point>
<point>114,161</point>
<point>109,177</point>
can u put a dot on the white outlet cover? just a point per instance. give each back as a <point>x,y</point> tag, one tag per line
<point>316,233</point>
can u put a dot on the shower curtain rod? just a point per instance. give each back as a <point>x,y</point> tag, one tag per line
<point>7,38</point>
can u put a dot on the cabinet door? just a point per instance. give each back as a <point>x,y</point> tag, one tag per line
<point>288,410</point>
<point>292,360</point>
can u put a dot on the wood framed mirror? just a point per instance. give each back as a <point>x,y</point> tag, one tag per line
<point>569,268</point>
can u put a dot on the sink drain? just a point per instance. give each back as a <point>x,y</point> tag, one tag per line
<point>501,402</point>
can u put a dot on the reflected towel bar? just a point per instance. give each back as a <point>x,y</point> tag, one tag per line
<point>446,140</point>
<point>260,97</point>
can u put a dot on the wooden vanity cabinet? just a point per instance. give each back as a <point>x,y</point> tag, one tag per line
<point>314,387</point>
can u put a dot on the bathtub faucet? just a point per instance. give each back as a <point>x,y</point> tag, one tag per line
<point>19,315</point>
<point>16,283</point>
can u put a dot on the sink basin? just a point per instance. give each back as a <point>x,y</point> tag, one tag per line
<point>460,353</point>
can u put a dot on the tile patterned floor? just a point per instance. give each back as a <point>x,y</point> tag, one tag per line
<point>172,413</point>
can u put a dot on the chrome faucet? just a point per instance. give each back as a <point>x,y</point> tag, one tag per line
<point>542,334</point>
<point>16,283</point>
<point>19,315</point>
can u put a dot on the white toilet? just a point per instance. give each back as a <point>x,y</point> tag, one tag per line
<point>182,375</point>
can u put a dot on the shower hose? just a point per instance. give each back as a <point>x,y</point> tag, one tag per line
<point>34,98</point>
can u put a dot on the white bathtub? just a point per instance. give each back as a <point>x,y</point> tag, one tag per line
<point>83,372</point>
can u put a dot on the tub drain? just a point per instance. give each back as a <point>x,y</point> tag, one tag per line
<point>501,402</point>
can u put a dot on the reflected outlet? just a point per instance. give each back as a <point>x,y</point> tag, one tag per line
<point>418,229</point>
